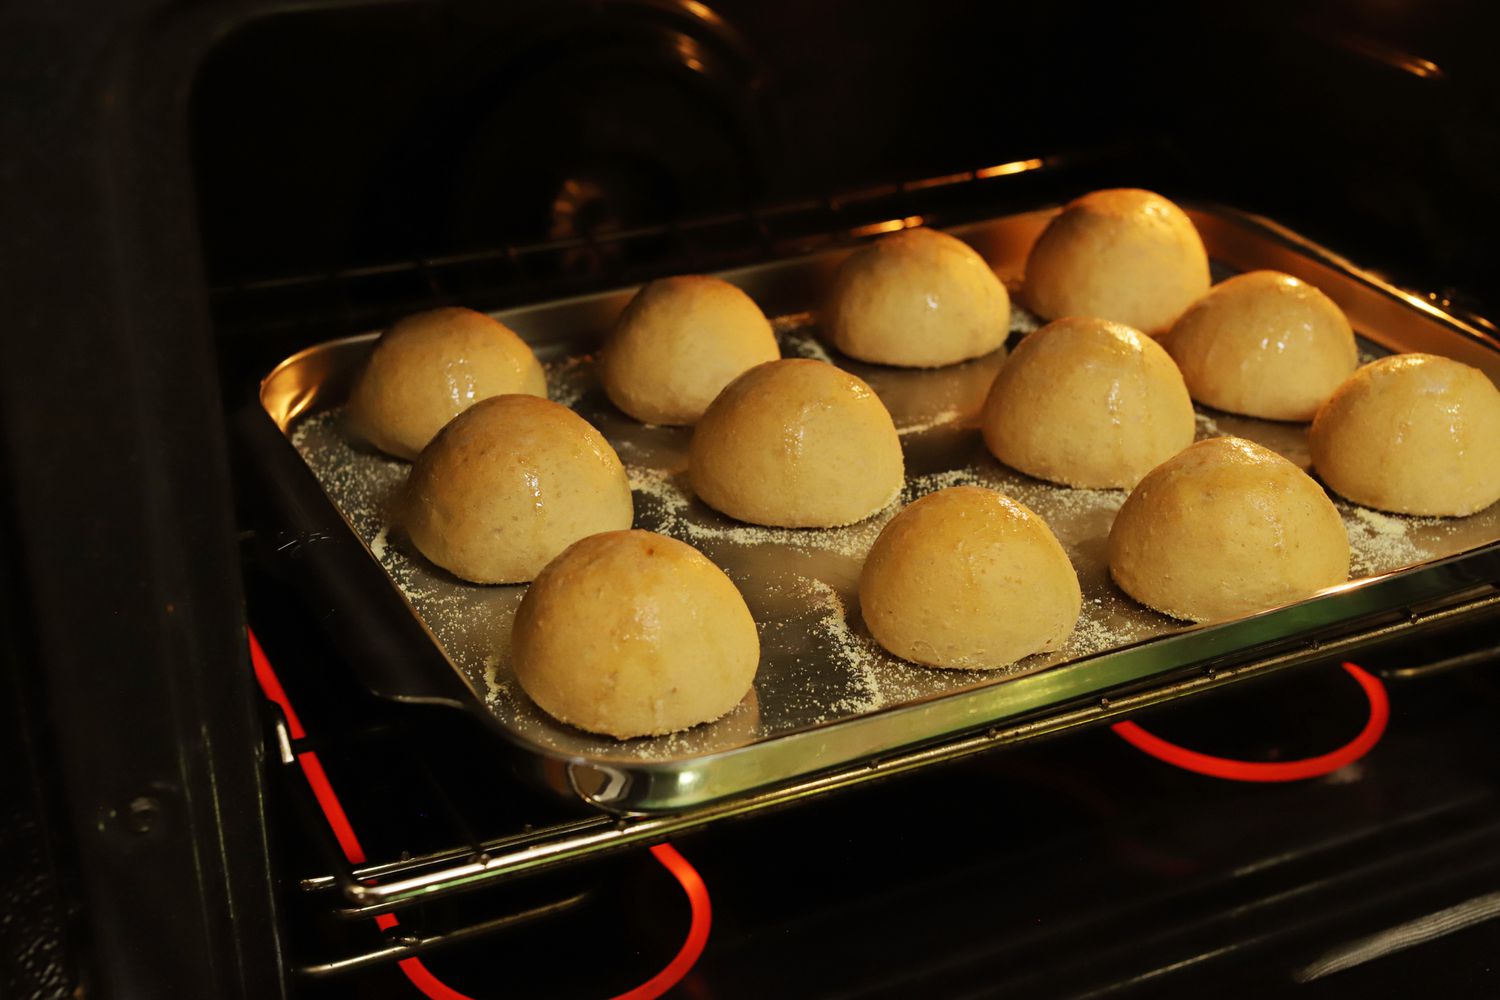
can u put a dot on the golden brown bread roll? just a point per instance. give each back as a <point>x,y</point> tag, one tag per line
<point>678,343</point>
<point>1086,402</point>
<point>968,579</point>
<point>430,367</point>
<point>510,483</point>
<point>796,444</point>
<point>1412,433</point>
<point>631,633</point>
<point>1123,254</point>
<point>1223,529</point>
<point>1264,344</point>
<point>918,299</point>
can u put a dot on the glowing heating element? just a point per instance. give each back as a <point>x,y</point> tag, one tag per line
<point>419,975</point>
<point>1290,770</point>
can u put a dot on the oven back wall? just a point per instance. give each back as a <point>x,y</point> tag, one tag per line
<point>347,137</point>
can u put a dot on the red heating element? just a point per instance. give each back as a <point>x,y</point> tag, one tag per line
<point>419,975</point>
<point>693,885</point>
<point>1289,770</point>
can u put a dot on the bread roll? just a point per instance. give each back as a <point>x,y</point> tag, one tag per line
<point>968,579</point>
<point>1124,255</point>
<point>678,343</point>
<point>1264,344</point>
<point>796,444</point>
<point>1414,434</point>
<point>630,633</point>
<point>1223,529</point>
<point>430,367</point>
<point>510,483</point>
<point>917,299</point>
<point>1086,402</point>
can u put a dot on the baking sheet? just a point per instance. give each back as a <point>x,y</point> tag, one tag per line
<point>827,699</point>
<point>819,666</point>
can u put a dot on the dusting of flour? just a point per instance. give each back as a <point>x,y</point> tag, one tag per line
<point>819,663</point>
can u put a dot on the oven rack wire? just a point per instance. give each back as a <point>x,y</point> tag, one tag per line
<point>261,319</point>
<point>478,859</point>
<point>342,299</point>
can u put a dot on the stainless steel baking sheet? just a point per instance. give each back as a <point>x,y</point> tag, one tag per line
<point>826,695</point>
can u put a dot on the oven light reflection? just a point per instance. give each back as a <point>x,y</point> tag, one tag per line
<point>889,226</point>
<point>1390,56</point>
<point>690,52</point>
<point>1014,167</point>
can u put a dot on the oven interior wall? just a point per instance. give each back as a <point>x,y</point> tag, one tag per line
<point>363,136</point>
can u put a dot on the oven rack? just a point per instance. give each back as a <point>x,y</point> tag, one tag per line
<point>476,859</point>
<point>342,299</point>
<point>261,320</point>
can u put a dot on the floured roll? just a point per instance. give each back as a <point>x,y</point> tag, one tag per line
<point>430,367</point>
<point>678,343</point>
<point>1264,344</point>
<point>510,483</point>
<point>1088,403</point>
<point>968,579</point>
<point>797,444</point>
<point>918,299</point>
<point>631,633</point>
<point>1414,434</point>
<point>1123,254</point>
<point>1226,528</point>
